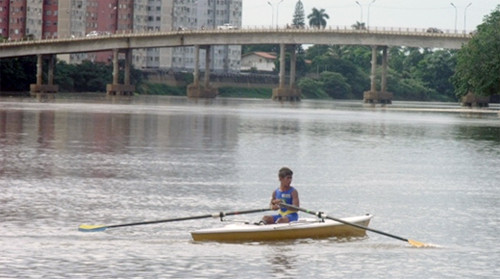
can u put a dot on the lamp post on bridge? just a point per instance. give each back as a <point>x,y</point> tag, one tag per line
<point>272,12</point>
<point>361,11</point>
<point>465,17</point>
<point>277,12</point>
<point>455,15</point>
<point>368,16</point>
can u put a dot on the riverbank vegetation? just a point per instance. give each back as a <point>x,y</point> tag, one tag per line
<point>343,72</point>
<point>478,62</point>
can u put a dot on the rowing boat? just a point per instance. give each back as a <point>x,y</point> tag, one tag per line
<point>303,228</point>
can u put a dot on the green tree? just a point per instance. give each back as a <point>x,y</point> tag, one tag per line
<point>336,85</point>
<point>318,18</point>
<point>435,71</point>
<point>16,74</point>
<point>312,89</point>
<point>299,15</point>
<point>405,60</point>
<point>63,76</point>
<point>356,78</point>
<point>397,59</point>
<point>478,62</point>
<point>92,77</point>
<point>316,50</point>
<point>408,89</point>
<point>359,55</point>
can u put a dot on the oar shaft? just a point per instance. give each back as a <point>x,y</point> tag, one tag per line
<point>245,211</point>
<point>367,228</point>
<point>215,215</point>
<point>322,215</point>
<point>162,221</point>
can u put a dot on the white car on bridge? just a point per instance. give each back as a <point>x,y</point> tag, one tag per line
<point>227,26</point>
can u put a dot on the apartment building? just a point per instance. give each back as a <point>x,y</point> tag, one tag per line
<point>207,14</point>
<point>28,19</point>
<point>64,18</point>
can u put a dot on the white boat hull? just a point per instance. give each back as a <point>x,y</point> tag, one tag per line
<point>304,228</point>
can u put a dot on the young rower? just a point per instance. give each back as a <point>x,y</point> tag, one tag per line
<point>287,194</point>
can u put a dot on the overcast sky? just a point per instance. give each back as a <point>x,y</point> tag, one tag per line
<point>382,13</point>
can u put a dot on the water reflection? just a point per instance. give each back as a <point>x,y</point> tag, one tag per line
<point>46,127</point>
<point>11,126</point>
<point>472,132</point>
<point>283,260</point>
<point>11,134</point>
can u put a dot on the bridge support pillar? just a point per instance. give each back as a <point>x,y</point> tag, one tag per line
<point>373,96</point>
<point>195,90</point>
<point>38,87</point>
<point>290,93</point>
<point>115,88</point>
<point>472,100</point>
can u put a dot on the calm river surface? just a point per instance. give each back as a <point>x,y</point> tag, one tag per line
<point>427,171</point>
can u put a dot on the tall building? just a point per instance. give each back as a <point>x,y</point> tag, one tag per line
<point>4,18</point>
<point>172,15</point>
<point>207,14</point>
<point>35,19</point>
<point>64,18</point>
<point>98,17</point>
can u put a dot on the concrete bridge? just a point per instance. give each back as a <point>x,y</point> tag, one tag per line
<point>374,37</point>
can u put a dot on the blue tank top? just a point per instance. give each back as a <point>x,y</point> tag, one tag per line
<point>286,197</point>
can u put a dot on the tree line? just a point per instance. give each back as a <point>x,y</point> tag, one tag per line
<point>16,74</point>
<point>342,72</point>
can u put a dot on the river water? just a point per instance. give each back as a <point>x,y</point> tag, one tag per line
<point>426,171</point>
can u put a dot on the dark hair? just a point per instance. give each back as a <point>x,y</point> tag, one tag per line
<point>284,172</point>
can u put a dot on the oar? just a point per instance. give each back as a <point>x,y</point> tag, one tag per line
<point>96,228</point>
<point>323,215</point>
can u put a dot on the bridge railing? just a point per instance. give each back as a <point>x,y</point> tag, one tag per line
<point>263,29</point>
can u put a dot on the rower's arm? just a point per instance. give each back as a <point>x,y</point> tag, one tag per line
<point>295,196</point>
<point>272,204</point>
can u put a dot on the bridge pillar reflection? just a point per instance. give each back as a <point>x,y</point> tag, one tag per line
<point>373,96</point>
<point>115,88</point>
<point>195,90</point>
<point>39,87</point>
<point>290,93</point>
<point>383,83</point>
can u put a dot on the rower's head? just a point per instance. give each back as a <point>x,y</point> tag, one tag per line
<point>285,172</point>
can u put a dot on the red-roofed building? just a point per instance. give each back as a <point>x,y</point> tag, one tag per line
<point>258,61</point>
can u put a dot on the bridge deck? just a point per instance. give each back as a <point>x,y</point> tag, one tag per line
<point>410,37</point>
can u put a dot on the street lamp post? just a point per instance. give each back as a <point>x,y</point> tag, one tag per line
<point>455,16</point>
<point>361,15</point>
<point>115,8</point>
<point>465,17</point>
<point>278,13</point>
<point>272,12</point>
<point>368,16</point>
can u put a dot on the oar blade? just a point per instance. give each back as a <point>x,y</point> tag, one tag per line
<point>92,228</point>
<point>419,244</point>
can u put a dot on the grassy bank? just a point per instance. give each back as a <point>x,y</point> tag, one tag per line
<point>236,92</point>
<point>148,88</point>
<point>233,92</point>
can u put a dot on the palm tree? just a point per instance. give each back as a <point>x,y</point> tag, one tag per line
<point>317,18</point>
<point>359,26</point>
